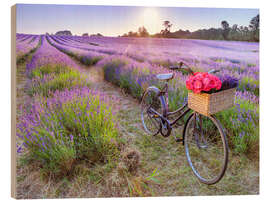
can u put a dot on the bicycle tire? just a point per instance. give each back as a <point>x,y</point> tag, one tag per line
<point>190,137</point>
<point>157,103</point>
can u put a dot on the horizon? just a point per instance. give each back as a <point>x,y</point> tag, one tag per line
<point>117,20</point>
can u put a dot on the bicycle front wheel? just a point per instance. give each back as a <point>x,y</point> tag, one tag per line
<point>206,148</point>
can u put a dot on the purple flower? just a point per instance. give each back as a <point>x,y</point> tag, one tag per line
<point>228,82</point>
<point>19,150</point>
<point>71,137</point>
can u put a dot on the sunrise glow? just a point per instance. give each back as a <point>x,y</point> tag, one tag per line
<point>151,20</point>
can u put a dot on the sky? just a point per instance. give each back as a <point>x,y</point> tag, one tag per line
<point>117,20</point>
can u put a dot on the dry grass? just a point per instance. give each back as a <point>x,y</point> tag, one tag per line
<point>131,159</point>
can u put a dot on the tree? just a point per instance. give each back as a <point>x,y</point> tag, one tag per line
<point>254,25</point>
<point>167,26</point>
<point>226,29</point>
<point>132,34</point>
<point>234,32</point>
<point>225,25</point>
<point>96,35</point>
<point>143,32</point>
<point>235,27</point>
<point>65,32</point>
<point>85,35</point>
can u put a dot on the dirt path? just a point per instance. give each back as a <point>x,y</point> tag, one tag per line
<point>21,80</point>
<point>126,103</point>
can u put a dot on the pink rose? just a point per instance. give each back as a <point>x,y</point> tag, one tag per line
<point>201,81</point>
<point>197,86</point>
<point>206,84</point>
<point>189,82</point>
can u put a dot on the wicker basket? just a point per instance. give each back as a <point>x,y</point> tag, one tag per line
<point>208,104</point>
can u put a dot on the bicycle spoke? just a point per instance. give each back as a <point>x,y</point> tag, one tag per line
<point>151,103</point>
<point>204,148</point>
<point>153,120</point>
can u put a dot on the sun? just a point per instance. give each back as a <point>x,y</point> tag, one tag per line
<point>150,19</point>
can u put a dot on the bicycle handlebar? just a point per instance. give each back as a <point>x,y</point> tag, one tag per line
<point>179,67</point>
<point>213,71</point>
<point>174,67</point>
<point>188,69</point>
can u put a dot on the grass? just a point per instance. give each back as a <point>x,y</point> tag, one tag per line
<point>175,177</point>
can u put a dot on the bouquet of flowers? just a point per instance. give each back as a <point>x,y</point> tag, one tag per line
<point>228,82</point>
<point>208,83</point>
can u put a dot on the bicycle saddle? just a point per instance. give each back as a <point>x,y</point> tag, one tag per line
<point>166,76</point>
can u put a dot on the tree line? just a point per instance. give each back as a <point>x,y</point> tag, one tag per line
<point>225,32</point>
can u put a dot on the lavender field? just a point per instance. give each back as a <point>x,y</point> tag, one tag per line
<point>79,115</point>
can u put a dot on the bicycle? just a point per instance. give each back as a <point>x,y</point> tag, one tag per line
<point>203,137</point>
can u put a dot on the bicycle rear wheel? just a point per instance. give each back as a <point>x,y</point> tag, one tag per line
<point>150,121</point>
<point>206,148</point>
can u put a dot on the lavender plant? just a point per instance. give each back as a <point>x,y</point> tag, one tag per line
<point>70,126</point>
<point>228,82</point>
<point>47,79</point>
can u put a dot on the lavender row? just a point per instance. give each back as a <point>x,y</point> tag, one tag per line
<point>86,57</point>
<point>47,54</point>
<point>25,46</point>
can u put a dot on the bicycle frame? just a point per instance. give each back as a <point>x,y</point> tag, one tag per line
<point>166,113</point>
<point>163,97</point>
<point>165,117</point>
<point>164,92</point>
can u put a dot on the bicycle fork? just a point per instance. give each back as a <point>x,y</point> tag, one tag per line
<point>199,134</point>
